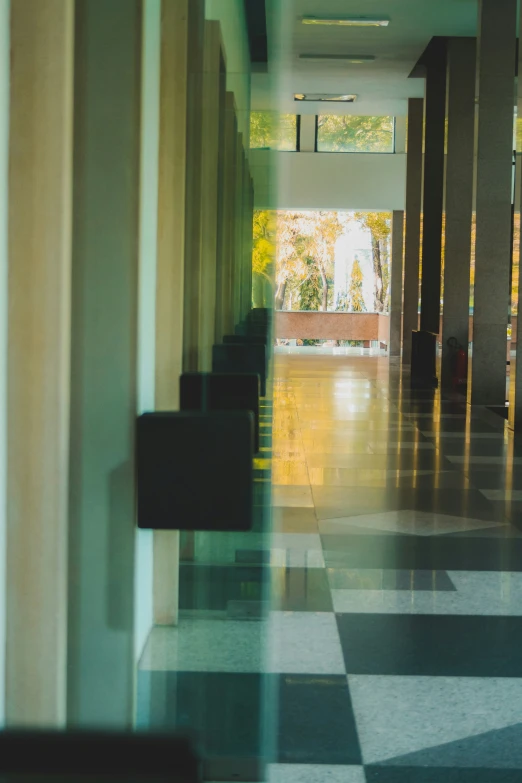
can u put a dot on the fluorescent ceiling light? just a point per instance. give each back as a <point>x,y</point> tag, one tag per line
<point>324,97</point>
<point>350,58</point>
<point>346,21</point>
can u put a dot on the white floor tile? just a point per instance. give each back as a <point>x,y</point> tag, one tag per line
<point>417,523</point>
<point>314,773</point>
<point>304,643</point>
<point>288,495</point>
<point>207,645</point>
<point>398,715</point>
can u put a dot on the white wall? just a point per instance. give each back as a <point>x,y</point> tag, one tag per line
<point>4,131</point>
<point>315,180</point>
<point>150,115</point>
<point>231,14</point>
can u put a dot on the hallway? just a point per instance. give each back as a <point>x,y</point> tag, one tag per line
<point>403,572</point>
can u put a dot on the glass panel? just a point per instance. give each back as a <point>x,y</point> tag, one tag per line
<point>269,130</point>
<point>355,134</point>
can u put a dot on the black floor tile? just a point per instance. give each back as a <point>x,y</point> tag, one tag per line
<point>424,553</point>
<point>293,589</point>
<point>376,774</point>
<point>316,721</point>
<point>222,712</point>
<point>457,447</point>
<point>431,645</point>
<point>456,425</point>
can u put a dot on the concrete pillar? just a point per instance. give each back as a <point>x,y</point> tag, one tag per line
<point>238,232</point>
<point>40,196</point>
<point>410,319</point>
<point>214,67</point>
<point>460,113</point>
<point>433,185</point>
<point>171,268</point>
<point>224,308</point>
<point>4,166</point>
<point>148,287</point>
<point>106,235</point>
<point>515,375</point>
<point>193,215</point>
<point>493,193</point>
<point>222,229</point>
<point>396,283</point>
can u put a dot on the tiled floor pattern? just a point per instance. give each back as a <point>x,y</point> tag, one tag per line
<point>393,647</point>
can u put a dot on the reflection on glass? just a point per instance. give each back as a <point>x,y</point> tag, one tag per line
<point>269,130</point>
<point>355,134</point>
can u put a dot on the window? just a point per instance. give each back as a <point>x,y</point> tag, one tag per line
<point>269,130</point>
<point>349,133</point>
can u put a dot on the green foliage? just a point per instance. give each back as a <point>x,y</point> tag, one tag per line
<point>303,245</point>
<point>269,130</point>
<point>355,292</point>
<point>347,133</point>
<point>310,288</point>
<point>263,254</point>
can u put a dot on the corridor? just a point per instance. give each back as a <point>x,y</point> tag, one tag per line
<point>404,566</point>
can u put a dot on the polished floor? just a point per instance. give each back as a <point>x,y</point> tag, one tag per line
<point>392,651</point>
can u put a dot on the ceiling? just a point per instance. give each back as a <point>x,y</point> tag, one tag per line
<point>382,86</point>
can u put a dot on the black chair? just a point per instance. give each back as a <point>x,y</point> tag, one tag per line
<point>221,392</point>
<point>195,470</point>
<point>91,755</point>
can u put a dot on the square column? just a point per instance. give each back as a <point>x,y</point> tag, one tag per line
<point>38,370</point>
<point>396,283</point>
<point>493,194</point>
<point>106,251</point>
<point>410,319</point>
<point>458,197</point>
<point>192,321</point>
<point>515,376</point>
<point>433,185</point>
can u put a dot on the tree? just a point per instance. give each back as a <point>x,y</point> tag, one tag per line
<point>310,289</point>
<point>269,130</point>
<point>355,293</point>
<point>290,266</point>
<point>379,226</point>
<point>326,231</point>
<point>348,133</point>
<point>263,253</point>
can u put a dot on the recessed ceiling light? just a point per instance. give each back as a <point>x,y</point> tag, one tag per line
<point>324,97</point>
<point>350,58</point>
<point>346,21</point>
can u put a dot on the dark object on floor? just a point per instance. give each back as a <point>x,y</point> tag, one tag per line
<point>423,359</point>
<point>161,758</point>
<point>195,470</point>
<point>238,358</point>
<point>201,391</point>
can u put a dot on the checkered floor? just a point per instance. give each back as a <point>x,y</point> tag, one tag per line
<point>378,630</point>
